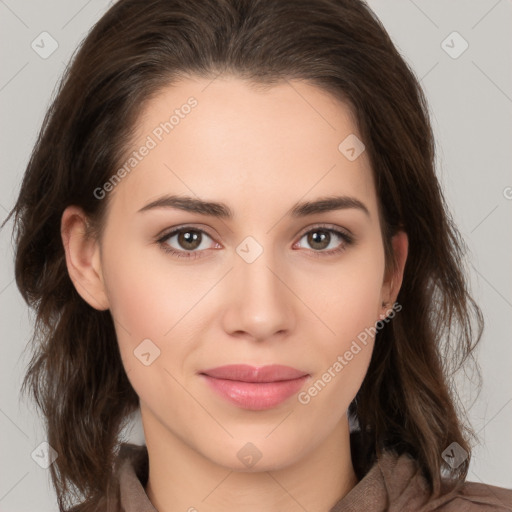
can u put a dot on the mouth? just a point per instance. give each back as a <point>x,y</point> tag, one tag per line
<point>255,388</point>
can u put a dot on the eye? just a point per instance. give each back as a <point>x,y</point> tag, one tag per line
<point>191,241</point>
<point>188,239</point>
<point>321,237</point>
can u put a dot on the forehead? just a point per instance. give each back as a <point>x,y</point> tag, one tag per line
<point>227,140</point>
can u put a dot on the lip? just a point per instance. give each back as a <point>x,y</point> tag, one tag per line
<point>255,388</point>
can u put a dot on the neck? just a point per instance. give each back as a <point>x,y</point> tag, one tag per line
<point>181,479</point>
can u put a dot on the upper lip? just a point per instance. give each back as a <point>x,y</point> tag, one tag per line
<point>247,373</point>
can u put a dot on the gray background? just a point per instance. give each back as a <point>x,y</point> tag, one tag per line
<point>471,103</point>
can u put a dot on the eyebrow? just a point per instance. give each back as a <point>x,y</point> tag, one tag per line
<point>223,211</point>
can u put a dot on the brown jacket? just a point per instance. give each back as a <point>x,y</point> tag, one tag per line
<point>393,484</point>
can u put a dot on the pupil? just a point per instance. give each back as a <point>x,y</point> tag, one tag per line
<point>188,238</point>
<point>318,237</point>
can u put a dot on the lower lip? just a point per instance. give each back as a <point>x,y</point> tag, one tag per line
<point>256,396</point>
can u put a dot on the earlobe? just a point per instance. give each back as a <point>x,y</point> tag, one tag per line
<point>82,258</point>
<point>393,282</point>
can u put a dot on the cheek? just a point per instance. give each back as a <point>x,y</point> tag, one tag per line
<point>349,301</point>
<point>155,308</point>
<point>144,309</point>
<point>349,306</point>
<point>136,305</point>
<point>147,296</point>
<point>343,357</point>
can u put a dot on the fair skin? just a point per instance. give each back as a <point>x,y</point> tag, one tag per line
<point>259,152</point>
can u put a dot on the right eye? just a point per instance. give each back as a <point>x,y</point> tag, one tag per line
<point>190,239</point>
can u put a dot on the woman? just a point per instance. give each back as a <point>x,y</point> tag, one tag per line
<point>231,221</point>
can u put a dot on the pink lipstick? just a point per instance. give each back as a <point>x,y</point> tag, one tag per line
<point>255,388</point>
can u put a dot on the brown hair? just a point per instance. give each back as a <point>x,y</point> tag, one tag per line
<point>407,402</point>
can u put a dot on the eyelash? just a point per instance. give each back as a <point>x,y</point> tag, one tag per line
<point>346,238</point>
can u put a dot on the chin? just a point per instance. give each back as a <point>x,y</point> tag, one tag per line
<point>256,456</point>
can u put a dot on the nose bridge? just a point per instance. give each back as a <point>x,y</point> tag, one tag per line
<point>260,301</point>
<point>253,264</point>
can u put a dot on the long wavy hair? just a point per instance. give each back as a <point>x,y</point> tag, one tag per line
<point>408,401</point>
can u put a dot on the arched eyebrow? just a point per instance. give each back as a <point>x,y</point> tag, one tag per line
<point>223,211</point>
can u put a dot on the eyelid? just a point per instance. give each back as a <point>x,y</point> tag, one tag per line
<point>197,227</point>
<point>168,231</point>
<point>344,233</point>
<point>333,227</point>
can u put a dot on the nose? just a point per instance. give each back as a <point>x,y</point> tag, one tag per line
<point>260,303</point>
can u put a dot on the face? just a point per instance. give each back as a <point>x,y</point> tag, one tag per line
<point>269,284</point>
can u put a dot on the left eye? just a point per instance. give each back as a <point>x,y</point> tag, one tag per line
<point>320,238</point>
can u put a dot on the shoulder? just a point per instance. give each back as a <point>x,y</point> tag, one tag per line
<point>405,488</point>
<point>473,497</point>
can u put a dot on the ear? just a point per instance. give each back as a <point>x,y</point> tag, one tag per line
<point>83,258</point>
<point>393,280</point>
